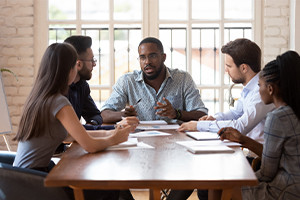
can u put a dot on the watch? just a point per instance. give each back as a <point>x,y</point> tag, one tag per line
<point>178,114</point>
<point>92,122</point>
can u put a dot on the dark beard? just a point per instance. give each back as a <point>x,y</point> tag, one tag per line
<point>237,81</point>
<point>154,76</point>
<point>85,74</point>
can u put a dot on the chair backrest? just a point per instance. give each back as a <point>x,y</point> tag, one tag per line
<point>25,184</point>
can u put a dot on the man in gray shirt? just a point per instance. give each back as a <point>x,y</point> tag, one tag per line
<point>155,92</point>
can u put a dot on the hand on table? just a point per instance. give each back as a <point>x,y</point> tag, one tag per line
<point>165,110</point>
<point>207,117</point>
<point>188,126</point>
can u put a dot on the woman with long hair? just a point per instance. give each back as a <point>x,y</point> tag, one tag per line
<point>279,83</point>
<point>48,117</point>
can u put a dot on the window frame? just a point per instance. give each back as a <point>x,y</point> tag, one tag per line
<point>150,10</point>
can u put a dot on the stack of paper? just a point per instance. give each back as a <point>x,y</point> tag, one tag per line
<point>200,135</point>
<point>156,124</point>
<point>210,146</point>
<point>210,149</point>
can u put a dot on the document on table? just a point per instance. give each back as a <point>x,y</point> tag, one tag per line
<point>202,135</point>
<point>158,126</point>
<point>210,146</point>
<point>153,122</point>
<point>148,134</point>
<point>210,149</point>
<point>131,143</point>
<point>209,143</point>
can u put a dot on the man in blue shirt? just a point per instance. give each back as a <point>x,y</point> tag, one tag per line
<point>155,92</point>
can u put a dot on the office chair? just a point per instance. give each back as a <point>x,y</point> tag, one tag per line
<point>25,184</point>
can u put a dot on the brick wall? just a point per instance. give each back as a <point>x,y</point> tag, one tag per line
<point>16,48</point>
<point>276,28</point>
<point>17,42</point>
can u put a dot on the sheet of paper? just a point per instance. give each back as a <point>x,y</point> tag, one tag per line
<point>208,143</point>
<point>131,142</point>
<point>197,135</point>
<point>140,145</point>
<point>148,134</point>
<point>210,149</point>
<point>158,127</point>
<point>153,122</point>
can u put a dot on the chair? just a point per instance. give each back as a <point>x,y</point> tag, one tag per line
<point>256,164</point>
<point>25,184</point>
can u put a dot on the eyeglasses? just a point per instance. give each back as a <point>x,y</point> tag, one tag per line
<point>94,60</point>
<point>152,56</point>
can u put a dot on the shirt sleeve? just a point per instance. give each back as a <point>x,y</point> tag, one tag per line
<point>119,97</point>
<point>192,97</point>
<point>90,110</point>
<point>243,117</point>
<point>272,149</point>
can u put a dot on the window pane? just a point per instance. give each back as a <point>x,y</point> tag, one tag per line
<point>238,9</point>
<point>173,9</point>
<point>210,97</point>
<point>99,96</point>
<point>174,43</point>
<point>235,94</point>
<point>62,9</point>
<point>203,9</point>
<point>126,53</point>
<point>59,32</point>
<point>100,47</point>
<point>127,10</point>
<point>95,9</point>
<point>205,54</point>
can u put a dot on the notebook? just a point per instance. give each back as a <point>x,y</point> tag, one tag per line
<point>210,149</point>
<point>203,135</point>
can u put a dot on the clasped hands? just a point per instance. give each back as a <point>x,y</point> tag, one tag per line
<point>163,109</point>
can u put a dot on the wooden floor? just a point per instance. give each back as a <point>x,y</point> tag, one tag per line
<point>144,195</point>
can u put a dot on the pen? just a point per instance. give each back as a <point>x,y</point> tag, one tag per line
<point>223,129</point>
<point>137,103</point>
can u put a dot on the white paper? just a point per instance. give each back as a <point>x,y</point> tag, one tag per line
<point>201,135</point>
<point>148,134</point>
<point>140,145</point>
<point>208,143</point>
<point>131,142</point>
<point>210,149</point>
<point>158,127</point>
<point>153,122</point>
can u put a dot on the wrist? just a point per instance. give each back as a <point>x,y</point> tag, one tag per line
<point>92,122</point>
<point>178,113</point>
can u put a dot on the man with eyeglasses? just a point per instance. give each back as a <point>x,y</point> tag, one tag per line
<point>155,92</point>
<point>79,93</point>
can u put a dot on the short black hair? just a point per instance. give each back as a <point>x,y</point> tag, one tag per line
<point>244,51</point>
<point>153,40</point>
<point>80,43</point>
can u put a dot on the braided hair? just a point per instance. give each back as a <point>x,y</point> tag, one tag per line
<point>285,73</point>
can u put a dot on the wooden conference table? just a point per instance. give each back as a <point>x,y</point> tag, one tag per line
<point>168,165</point>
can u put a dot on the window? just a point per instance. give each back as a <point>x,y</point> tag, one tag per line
<point>192,32</point>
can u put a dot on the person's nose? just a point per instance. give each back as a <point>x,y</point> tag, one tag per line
<point>226,69</point>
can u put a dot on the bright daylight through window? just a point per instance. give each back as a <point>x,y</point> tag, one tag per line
<point>192,32</point>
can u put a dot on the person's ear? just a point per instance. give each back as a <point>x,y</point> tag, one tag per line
<point>270,89</point>
<point>164,57</point>
<point>79,65</point>
<point>244,68</point>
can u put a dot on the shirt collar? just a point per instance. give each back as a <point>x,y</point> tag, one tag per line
<point>250,85</point>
